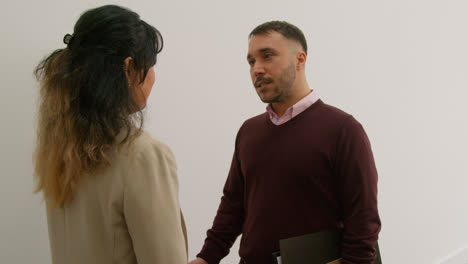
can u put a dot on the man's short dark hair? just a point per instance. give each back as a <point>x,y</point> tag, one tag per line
<point>286,29</point>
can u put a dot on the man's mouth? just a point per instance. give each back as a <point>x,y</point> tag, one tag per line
<point>262,83</point>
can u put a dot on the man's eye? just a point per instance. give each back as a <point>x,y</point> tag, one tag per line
<point>266,56</point>
<point>251,62</point>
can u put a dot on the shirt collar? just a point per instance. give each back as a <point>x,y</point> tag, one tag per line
<point>294,110</point>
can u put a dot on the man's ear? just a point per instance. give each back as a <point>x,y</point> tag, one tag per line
<point>301,59</point>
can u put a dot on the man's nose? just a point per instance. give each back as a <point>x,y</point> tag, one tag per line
<point>258,69</point>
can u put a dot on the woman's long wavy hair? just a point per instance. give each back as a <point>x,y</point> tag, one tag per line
<point>86,102</point>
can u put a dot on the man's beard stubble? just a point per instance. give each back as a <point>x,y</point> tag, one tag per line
<point>283,88</point>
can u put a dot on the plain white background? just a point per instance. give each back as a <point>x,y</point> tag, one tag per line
<point>400,67</point>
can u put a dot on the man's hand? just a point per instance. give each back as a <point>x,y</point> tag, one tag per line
<point>198,261</point>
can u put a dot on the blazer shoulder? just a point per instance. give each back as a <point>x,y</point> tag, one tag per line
<point>148,143</point>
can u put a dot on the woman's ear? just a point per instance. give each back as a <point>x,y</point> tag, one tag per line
<point>127,67</point>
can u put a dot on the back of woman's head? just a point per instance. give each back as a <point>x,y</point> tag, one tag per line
<point>87,102</point>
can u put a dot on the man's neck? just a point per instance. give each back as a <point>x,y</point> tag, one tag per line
<point>281,107</point>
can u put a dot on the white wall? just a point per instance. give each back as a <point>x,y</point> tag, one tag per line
<point>400,67</point>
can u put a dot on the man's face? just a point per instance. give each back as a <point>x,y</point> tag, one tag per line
<point>272,66</point>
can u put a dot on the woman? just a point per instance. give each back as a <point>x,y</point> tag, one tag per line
<point>111,189</point>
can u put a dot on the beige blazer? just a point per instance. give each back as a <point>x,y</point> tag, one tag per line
<point>126,213</point>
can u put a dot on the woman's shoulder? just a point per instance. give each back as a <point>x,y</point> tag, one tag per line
<point>148,159</point>
<point>145,144</point>
<point>145,141</point>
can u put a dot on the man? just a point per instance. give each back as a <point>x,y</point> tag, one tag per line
<point>301,167</point>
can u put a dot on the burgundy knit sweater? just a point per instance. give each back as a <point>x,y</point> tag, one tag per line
<point>313,173</point>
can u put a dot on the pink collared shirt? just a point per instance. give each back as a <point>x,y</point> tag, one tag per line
<point>294,110</point>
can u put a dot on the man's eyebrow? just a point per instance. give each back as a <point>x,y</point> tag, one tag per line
<point>264,50</point>
<point>267,50</point>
